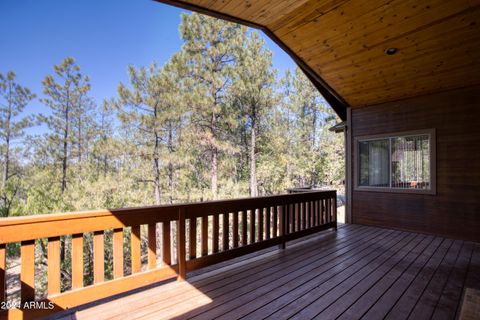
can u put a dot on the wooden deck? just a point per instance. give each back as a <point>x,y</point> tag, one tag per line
<point>356,272</point>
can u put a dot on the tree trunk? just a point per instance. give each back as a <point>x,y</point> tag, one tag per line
<point>65,146</point>
<point>253,163</point>
<point>214,181</point>
<point>6,164</point>
<point>156,168</point>
<point>170,164</point>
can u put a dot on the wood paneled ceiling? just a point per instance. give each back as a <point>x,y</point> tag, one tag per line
<point>342,43</point>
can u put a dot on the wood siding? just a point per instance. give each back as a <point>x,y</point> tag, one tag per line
<point>455,210</point>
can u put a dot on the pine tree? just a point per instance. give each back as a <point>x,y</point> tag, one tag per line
<point>14,99</point>
<point>66,95</point>
<point>211,47</point>
<point>153,108</point>
<point>253,95</point>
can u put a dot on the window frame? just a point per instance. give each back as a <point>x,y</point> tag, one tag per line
<point>433,161</point>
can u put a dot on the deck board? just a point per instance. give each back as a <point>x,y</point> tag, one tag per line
<point>356,272</point>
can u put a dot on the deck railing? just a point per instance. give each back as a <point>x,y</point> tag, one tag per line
<point>199,234</point>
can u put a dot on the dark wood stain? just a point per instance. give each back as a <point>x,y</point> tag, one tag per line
<point>455,210</point>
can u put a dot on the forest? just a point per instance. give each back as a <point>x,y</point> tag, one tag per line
<point>216,121</point>
<point>213,122</point>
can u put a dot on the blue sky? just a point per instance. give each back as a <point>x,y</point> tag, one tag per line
<point>104,37</point>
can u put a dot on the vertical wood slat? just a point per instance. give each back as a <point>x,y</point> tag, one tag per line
<point>135,249</point>
<point>235,229</point>
<point>98,257</point>
<point>215,233</point>
<point>322,208</point>
<point>252,225</point>
<point>275,222</point>
<point>327,211</point>
<point>309,223</point>
<point>77,261</point>
<point>281,225</point>
<point>117,253</point>
<point>27,273</point>
<point>268,217</point>
<point>166,248</point>
<point>312,213</point>
<point>193,238</point>
<point>335,212</point>
<point>53,266</point>
<point>181,246</point>
<point>304,215</point>
<point>260,224</point>
<point>3,268</point>
<point>226,229</point>
<point>296,217</point>
<point>204,236</point>
<point>152,246</point>
<point>317,215</point>
<point>244,228</point>
<point>290,218</point>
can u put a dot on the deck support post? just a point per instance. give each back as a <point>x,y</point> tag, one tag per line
<point>181,244</point>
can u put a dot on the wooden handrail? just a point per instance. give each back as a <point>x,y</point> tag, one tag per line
<point>255,223</point>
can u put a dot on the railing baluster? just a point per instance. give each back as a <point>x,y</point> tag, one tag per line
<point>181,245</point>
<point>252,225</point>
<point>117,253</point>
<point>166,248</point>
<point>193,238</point>
<point>322,209</point>
<point>3,268</point>
<point>152,246</point>
<point>329,211</point>
<point>215,232</point>
<point>308,214</point>
<point>260,224</point>
<point>98,257</point>
<point>335,211</point>
<point>295,217</point>
<point>281,225</point>
<point>291,219</point>
<point>27,273</point>
<point>53,265</point>
<point>135,249</point>
<point>235,229</point>
<point>244,228</point>
<point>304,215</point>
<point>77,261</point>
<point>275,222</point>
<point>312,214</point>
<point>226,229</point>
<point>317,222</point>
<point>204,236</point>
<point>268,217</point>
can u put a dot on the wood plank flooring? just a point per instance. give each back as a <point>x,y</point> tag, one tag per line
<point>358,272</point>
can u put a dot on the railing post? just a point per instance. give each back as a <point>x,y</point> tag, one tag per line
<point>181,246</point>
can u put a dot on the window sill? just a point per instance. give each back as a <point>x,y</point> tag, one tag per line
<point>395,190</point>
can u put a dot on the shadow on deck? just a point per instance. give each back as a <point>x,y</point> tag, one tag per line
<point>356,272</point>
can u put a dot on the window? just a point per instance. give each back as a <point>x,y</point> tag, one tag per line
<point>396,163</point>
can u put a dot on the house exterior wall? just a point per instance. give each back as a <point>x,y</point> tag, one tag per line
<point>454,211</point>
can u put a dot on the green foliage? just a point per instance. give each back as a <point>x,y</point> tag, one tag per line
<point>212,122</point>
